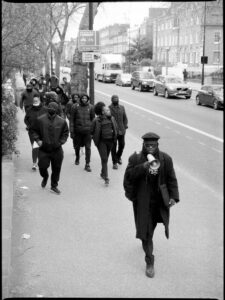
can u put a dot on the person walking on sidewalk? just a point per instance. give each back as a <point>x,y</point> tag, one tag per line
<point>82,115</point>
<point>104,133</point>
<point>27,97</point>
<point>153,190</point>
<point>53,82</point>
<point>35,111</point>
<point>75,98</point>
<point>50,131</point>
<point>119,113</point>
<point>63,99</point>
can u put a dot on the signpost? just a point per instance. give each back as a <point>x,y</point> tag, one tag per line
<point>88,40</point>
<point>91,57</point>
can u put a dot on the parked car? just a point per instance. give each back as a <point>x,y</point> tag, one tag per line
<point>169,86</point>
<point>211,95</point>
<point>123,79</point>
<point>142,80</point>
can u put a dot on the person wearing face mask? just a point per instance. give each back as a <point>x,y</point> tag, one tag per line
<point>50,132</point>
<point>104,133</point>
<point>150,183</point>
<point>119,113</point>
<point>35,111</point>
<point>81,118</point>
<point>27,97</point>
<point>75,98</point>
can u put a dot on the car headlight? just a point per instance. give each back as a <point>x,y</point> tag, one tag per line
<point>170,87</point>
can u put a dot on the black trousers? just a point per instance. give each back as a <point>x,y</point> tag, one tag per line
<point>34,150</point>
<point>116,154</point>
<point>154,217</point>
<point>104,148</point>
<point>55,158</point>
<point>80,140</point>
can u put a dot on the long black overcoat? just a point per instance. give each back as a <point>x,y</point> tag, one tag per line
<point>137,189</point>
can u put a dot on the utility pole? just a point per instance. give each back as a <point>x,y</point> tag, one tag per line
<point>91,64</point>
<point>51,38</point>
<point>203,54</point>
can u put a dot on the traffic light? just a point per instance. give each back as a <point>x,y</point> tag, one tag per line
<point>204,59</point>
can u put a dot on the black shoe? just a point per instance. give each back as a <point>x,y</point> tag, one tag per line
<point>119,161</point>
<point>106,181</point>
<point>115,166</point>
<point>77,161</point>
<point>150,272</point>
<point>102,176</point>
<point>44,182</point>
<point>87,168</point>
<point>55,190</point>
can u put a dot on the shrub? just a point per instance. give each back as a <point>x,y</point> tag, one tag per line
<point>9,123</point>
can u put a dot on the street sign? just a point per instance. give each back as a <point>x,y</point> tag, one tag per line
<point>88,40</point>
<point>91,56</point>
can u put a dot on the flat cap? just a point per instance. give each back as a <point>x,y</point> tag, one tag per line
<point>150,136</point>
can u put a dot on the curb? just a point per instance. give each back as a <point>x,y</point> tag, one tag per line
<point>7,207</point>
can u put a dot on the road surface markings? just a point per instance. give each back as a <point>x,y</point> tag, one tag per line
<point>168,119</point>
<point>216,150</point>
<point>189,137</point>
<point>201,143</point>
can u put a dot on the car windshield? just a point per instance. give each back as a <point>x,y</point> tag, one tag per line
<point>173,80</point>
<point>113,67</point>
<point>218,89</point>
<point>147,75</point>
<point>125,76</point>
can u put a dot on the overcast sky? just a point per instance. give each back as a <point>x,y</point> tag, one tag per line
<point>116,12</point>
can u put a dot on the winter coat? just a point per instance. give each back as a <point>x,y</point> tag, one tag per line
<point>67,88</point>
<point>69,108</point>
<point>96,129</point>
<point>118,112</point>
<point>27,98</point>
<point>53,131</point>
<point>81,118</point>
<point>33,113</point>
<point>137,189</point>
<point>53,81</point>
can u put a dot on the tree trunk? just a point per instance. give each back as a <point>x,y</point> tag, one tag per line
<point>79,73</point>
<point>57,64</point>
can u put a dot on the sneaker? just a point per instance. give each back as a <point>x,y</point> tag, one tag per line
<point>34,167</point>
<point>102,176</point>
<point>87,168</point>
<point>119,161</point>
<point>106,181</point>
<point>44,182</point>
<point>55,190</point>
<point>115,166</point>
<point>150,272</point>
<point>77,161</point>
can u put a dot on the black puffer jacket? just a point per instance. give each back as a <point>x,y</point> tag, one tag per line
<point>81,118</point>
<point>119,113</point>
<point>33,113</point>
<point>53,131</point>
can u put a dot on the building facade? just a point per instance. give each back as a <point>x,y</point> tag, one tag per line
<point>178,33</point>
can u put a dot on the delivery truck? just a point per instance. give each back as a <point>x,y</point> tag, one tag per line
<point>109,67</point>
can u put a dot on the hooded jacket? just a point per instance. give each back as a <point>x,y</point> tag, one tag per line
<point>82,115</point>
<point>118,112</point>
<point>27,98</point>
<point>33,113</point>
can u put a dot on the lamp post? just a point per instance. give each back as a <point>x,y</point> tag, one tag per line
<point>51,56</point>
<point>91,64</point>
<point>167,58</point>
<point>203,54</point>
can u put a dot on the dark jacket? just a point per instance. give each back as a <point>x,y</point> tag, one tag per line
<point>81,118</point>
<point>53,81</point>
<point>27,98</point>
<point>137,189</point>
<point>67,88</point>
<point>53,131</point>
<point>96,129</point>
<point>118,112</point>
<point>69,108</point>
<point>33,113</point>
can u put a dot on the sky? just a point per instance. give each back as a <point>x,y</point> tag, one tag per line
<point>110,13</point>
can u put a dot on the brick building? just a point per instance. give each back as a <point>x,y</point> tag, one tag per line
<point>178,33</point>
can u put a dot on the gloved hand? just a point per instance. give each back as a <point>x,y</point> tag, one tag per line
<point>39,143</point>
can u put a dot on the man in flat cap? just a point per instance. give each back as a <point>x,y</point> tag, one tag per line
<point>150,183</point>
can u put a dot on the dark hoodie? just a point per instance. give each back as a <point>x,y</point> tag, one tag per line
<point>82,115</point>
<point>33,113</point>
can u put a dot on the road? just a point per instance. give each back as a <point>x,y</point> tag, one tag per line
<point>82,243</point>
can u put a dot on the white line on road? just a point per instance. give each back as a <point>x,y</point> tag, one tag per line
<point>203,144</point>
<point>166,118</point>
<point>216,150</point>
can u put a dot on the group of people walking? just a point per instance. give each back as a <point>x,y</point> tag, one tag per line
<point>149,180</point>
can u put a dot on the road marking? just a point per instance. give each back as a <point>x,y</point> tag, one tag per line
<point>203,144</point>
<point>216,150</point>
<point>168,119</point>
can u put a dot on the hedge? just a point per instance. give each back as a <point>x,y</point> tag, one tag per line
<point>9,124</point>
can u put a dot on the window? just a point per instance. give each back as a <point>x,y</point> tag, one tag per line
<point>216,57</point>
<point>191,39</point>
<point>196,37</point>
<point>217,37</point>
